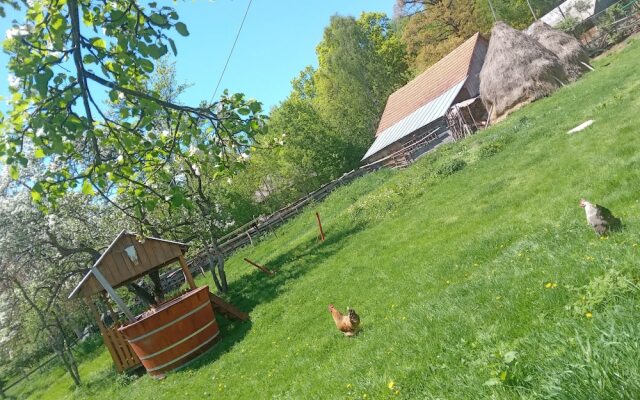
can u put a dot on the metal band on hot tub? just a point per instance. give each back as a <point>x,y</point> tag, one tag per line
<point>195,310</point>
<point>185,354</point>
<point>178,342</point>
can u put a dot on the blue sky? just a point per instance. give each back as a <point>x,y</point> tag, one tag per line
<point>278,40</point>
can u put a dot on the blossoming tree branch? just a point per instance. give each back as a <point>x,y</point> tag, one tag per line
<point>84,113</point>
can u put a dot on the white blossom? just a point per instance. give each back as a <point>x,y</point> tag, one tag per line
<point>17,31</point>
<point>14,81</point>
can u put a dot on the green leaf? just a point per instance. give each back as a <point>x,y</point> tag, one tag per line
<point>36,196</point>
<point>13,172</point>
<point>182,29</point>
<point>116,15</point>
<point>146,65</point>
<point>177,199</point>
<point>39,153</point>
<point>173,47</point>
<point>89,59</point>
<point>157,51</point>
<point>87,188</point>
<point>98,43</point>
<point>158,19</point>
<point>73,121</point>
<point>42,82</point>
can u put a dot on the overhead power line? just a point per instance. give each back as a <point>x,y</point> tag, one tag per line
<point>231,52</point>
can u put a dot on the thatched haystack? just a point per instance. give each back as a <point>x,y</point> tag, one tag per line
<point>566,47</point>
<point>517,70</point>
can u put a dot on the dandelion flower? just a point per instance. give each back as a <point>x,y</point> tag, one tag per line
<point>391,384</point>
<point>588,314</point>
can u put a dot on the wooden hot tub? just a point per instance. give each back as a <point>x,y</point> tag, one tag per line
<point>177,332</point>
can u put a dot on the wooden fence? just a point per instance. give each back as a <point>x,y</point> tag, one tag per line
<point>252,230</point>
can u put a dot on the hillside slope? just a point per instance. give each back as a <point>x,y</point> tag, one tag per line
<point>473,271</point>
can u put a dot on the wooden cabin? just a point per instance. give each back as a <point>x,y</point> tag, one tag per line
<point>414,120</point>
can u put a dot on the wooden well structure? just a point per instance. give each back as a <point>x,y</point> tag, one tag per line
<point>166,336</point>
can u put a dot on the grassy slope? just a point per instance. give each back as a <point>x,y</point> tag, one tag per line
<point>448,272</point>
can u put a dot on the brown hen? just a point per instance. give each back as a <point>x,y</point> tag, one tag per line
<point>347,324</point>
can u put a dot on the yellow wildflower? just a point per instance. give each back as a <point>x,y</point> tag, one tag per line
<point>391,384</point>
<point>588,314</point>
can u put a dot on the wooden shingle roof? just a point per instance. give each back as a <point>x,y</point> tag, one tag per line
<point>430,84</point>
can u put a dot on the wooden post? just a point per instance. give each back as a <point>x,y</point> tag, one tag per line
<point>260,267</point>
<point>112,293</point>
<point>320,226</point>
<point>112,313</point>
<point>187,272</point>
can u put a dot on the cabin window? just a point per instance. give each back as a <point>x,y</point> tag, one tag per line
<point>132,254</point>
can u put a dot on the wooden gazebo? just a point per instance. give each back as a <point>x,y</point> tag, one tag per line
<point>166,336</point>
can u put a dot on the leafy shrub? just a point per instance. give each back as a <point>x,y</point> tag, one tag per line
<point>377,205</point>
<point>125,379</point>
<point>489,150</point>
<point>601,291</point>
<point>450,167</point>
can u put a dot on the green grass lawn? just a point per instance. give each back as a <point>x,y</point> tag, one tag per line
<point>473,271</point>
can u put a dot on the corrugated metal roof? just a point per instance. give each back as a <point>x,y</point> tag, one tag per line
<point>432,83</point>
<point>424,115</point>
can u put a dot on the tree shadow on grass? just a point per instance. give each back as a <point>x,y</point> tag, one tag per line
<point>258,288</point>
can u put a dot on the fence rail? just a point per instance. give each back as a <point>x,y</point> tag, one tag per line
<point>252,230</point>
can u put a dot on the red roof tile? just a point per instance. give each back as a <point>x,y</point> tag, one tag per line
<point>430,84</point>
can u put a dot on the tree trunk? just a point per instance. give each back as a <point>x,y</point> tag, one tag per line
<point>157,285</point>
<point>220,262</point>
<point>68,352</point>
<point>58,341</point>
<point>212,268</point>
<point>142,294</point>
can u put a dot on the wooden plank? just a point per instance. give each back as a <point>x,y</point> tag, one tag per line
<point>260,267</point>
<point>187,272</point>
<point>112,293</point>
<point>107,267</point>
<point>227,309</point>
